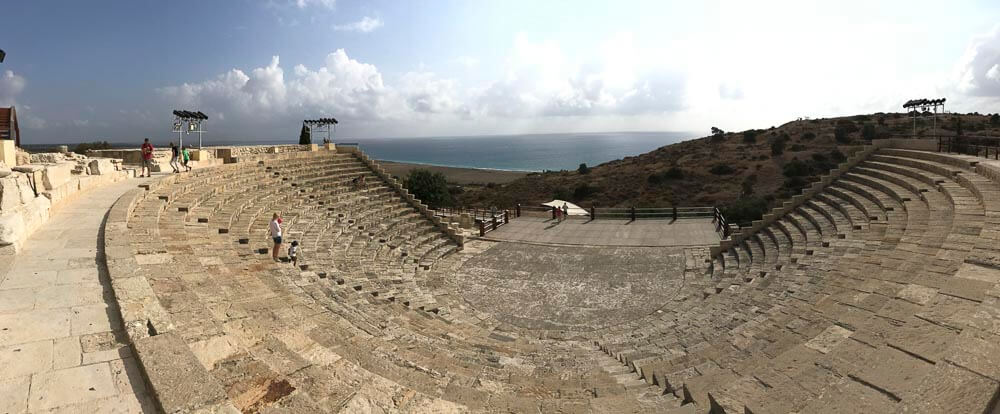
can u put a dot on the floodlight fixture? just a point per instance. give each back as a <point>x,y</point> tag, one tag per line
<point>193,119</point>
<point>924,107</point>
<point>322,124</point>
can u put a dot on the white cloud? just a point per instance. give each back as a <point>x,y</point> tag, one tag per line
<point>730,91</point>
<point>994,73</point>
<point>425,93</point>
<point>539,84</point>
<point>323,3</point>
<point>979,68</point>
<point>365,25</point>
<point>342,87</point>
<point>467,61</point>
<point>541,80</point>
<point>11,85</point>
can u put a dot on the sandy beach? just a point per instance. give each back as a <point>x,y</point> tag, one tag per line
<point>455,174</point>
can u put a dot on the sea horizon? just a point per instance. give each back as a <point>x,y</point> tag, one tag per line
<point>503,152</point>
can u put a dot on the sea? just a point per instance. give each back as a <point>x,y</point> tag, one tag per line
<point>527,152</point>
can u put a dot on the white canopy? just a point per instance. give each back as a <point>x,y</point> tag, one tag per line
<point>574,210</point>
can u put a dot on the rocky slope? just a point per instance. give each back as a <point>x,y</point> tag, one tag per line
<point>744,172</point>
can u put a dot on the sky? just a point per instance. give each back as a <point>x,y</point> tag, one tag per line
<point>114,70</point>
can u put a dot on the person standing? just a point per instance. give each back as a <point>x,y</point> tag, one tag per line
<point>186,157</point>
<point>147,159</point>
<point>275,231</point>
<point>565,211</point>
<point>174,155</point>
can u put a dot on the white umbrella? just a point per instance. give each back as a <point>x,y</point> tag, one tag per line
<point>573,209</point>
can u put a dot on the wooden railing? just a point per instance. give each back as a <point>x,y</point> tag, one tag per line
<point>979,146</point>
<point>486,220</point>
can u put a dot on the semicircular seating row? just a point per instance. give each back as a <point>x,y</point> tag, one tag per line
<point>879,294</point>
<point>360,323</point>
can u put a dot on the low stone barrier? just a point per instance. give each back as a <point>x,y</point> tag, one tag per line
<point>410,199</point>
<point>29,192</point>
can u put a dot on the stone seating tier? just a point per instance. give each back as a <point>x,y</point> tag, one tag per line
<point>363,310</point>
<point>872,289</point>
<point>880,303</point>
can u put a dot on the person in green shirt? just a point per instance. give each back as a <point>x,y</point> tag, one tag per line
<point>187,156</point>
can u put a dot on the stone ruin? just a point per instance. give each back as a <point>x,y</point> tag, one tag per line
<point>876,290</point>
<point>39,182</point>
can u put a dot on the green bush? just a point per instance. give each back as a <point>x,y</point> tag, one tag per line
<point>794,183</point>
<point>722,169</point>
<point>750,136</point>
<point>562,194</point>
<point>673,173</point>
<point>808,136</point>
<point>583,191</point>
<point>797,168</point>
<point>778,144</point>
<point>995,119</point>
<point>868,131</point>
<point>843,130</point>
<point>745,210</point>
<point>837,156</point>
<point>83,147</point>
<point>430,187</point>
<point>747,185</point>
<point>583,169</point>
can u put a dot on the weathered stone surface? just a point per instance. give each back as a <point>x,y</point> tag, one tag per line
<point>12,228</point>
<point>5,170</point>
<point>101,166</point>
<point>56,175</point>
<point>180,382</point>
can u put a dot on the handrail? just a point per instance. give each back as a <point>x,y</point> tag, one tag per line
<point>970,145</point>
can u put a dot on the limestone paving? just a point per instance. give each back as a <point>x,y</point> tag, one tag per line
<point>62,345</point>
<point>878,293</point>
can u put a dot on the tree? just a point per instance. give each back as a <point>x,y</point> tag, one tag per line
<point>722,169</point>
<point>995,119</point>
<point>745,210</point>
<point>717,131</point>
<point>429,187</point>
<point>673,173</point>
<point>305,137</point>
<point>83,147</point>
<point>868,131</point>
<point>750,136</point>
<point>583,191</point>
<point>583,169</point>
<point>778,144</point>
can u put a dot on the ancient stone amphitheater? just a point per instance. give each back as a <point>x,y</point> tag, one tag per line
<point>873,292</point>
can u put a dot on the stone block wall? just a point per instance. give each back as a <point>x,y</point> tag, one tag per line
<point>29,192</point>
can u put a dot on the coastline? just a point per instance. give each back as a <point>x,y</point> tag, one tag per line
<point>456,175</point>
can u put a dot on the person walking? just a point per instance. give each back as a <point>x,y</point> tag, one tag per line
<point>174,155</point>
<point>186,156</point>
<point>558,212</point>
<point>147,159</point>
<point>274,229</point>
<point>565,211</point>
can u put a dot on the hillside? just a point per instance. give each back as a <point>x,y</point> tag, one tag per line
<point>744,172</point>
